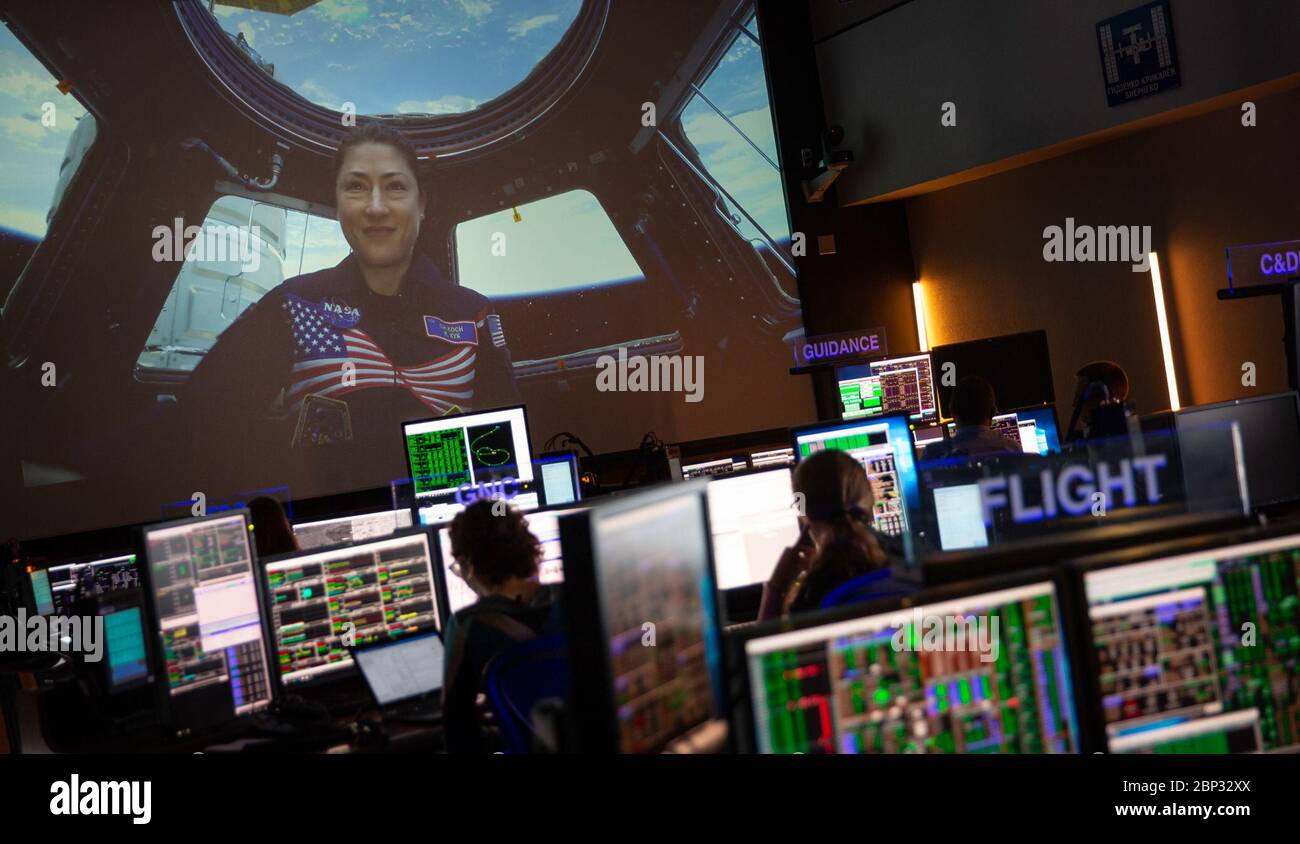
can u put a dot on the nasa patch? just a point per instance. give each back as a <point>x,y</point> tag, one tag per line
<point>457,333</point>
<point>340,315</point>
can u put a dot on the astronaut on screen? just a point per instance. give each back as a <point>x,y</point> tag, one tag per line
<point>347,354</point>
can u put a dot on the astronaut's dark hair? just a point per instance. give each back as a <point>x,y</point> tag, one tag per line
<point>374,132</point>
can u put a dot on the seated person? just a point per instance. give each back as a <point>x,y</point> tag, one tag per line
<point>973,406</point>
<point>1100,391</point>
<point>836,541</point>
<point>497,557</point>
<point>272,532</point>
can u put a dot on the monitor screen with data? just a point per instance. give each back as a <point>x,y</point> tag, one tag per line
<point>885,449</point>
<point>349,529</point>
<point>1196,653</point>
<point>753,519</point>
<point>891,385</point>
<point>326,601</point>
<point>906,682</point>
<point>455,460</point>
<point>209,626</point>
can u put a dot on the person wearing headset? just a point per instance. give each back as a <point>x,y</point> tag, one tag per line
<point>1100,392</point>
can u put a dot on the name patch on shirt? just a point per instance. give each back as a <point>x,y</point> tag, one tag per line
<point>457,333</point>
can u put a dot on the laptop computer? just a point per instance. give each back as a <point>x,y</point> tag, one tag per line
<point>404,677</point>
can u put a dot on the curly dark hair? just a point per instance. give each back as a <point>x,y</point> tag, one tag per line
<point>374,132</point>
<point>496,547</point>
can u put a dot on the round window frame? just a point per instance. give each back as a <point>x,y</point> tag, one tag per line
<point>293,118</point>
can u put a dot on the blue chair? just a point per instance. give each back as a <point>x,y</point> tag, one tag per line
<point>867,587</point>
<point>517,679</point>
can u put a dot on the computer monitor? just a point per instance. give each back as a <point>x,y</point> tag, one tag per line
<point>1195,651</point>
<point>1270,440</point>
<point>207,620</point>
<point>1032,430</point>
<point>86,579</point>
<point>544,524</point>
<point>403,670</point>
<point>1017,365</point>
<point>1115,531</point>
<point>884,448</point>
<point>126,657</point>
<point>348,529</point>
<point>984,671</point>
<point>890,385</point>
<point>643,620</point>
<point>42,596</point>
<point>753,519</point>
<point>959,515</point>
<point>771,458</point>
<point>712,468</point>
<point>324,601</point>
<point>1036,429</point>
<point>560,478</point>
<point>926,436</point>
<point>455,460</point>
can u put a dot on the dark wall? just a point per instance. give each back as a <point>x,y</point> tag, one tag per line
<point>1201,184</point>
<point>868,281</point>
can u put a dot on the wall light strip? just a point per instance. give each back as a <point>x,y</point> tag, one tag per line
<point>1162,320</point>
<point>918,301</point>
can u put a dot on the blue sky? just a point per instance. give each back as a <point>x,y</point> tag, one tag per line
<point>32,152</point>
<point>405,56</point>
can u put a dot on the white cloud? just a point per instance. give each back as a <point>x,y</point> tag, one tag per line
<point>23,129</point>
<point>519,29</point>
<point>23,219</point>
<point>319,94</point>
<point>25,85</point>
<point>733,162</point>
<point>345,11</point>
<point>450,104</point>
<point>707,128</point>
<point>476,9</point>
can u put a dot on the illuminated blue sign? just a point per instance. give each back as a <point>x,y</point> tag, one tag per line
<point>836,348</point>
<point>1263,263</point>
<point>505,488</point>
<point>1279,263</point>
<point>1073,489</point>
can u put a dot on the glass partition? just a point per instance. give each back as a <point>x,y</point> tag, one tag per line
<point>975,501</point>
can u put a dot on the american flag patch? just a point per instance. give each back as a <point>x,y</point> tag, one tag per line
<point>333,362</point>
<point>494,328</point>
